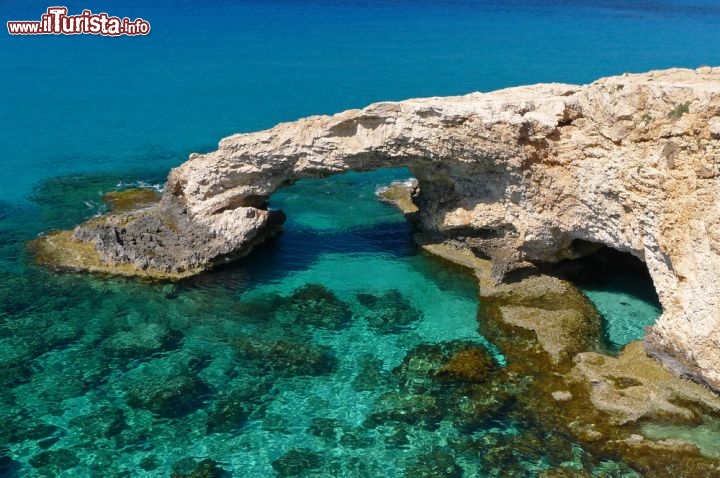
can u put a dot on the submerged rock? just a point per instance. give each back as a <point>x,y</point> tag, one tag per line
<point>437,463</point>
<point>168,387</point>
<point>426,366</point>
<point>317,306</point>
<point>129,199</point>
<point>144,339</point>
<point>421,410</point>
<point>390,313</point>
<point>297,462</point>
<point>233,408</point>
<point>329,429</point>
<point>371,375</point>
<point>285,358</point>
<point>474,407</point>
<point>190,468</point>
<point>470,365</point>
<point>105,422</point>
<point>337,432</point>
<point>634,386</point>
<point>54,461</point>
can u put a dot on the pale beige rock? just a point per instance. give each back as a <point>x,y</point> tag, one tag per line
<point>630,162</point>
<point>632,386</point>
<point>561,396</point>
<point>556,330</point>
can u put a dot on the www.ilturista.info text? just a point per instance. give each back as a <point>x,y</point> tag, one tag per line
<point>56,21</point>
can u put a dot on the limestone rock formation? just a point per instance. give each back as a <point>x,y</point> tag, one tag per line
<point>630,162</point>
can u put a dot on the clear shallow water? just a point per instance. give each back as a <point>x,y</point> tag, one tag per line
<point>105,376</point>
<point>317,356</point>
<point>628,305</point>
<point>305,348</point>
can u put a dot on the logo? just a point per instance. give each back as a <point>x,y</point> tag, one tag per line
<point>56,21</point>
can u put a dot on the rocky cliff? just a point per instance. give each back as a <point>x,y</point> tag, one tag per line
<point>530,174</point>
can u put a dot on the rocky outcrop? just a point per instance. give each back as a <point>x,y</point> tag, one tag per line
<point>527,174</point>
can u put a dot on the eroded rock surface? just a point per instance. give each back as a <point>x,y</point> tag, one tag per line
<point>630,162</point>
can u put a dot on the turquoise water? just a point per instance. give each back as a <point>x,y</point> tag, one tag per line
<point>243,365</point>
<point>314,355</point>
<point>628,305</point>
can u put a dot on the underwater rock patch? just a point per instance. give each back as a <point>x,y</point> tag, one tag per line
<point>390,313</point>
<point>16,293</point>
<point>426,366</point>
<point>437,463</point>
<point>232,408</point>
<point>371,375</point>
<point>317,306</point>
<point>334,432</point>
<point>54,461</point>
<point>421,410</point>
<point>67,200</point>
<point>167,387</point>
<point>144,339</point>
<point>105,422</point>
<point>471,365</point>
<point>329,429</point>
<point>285,358</point>
<point>297,462</point>
<point>191,468</point>
<point>15,358</point>
<point>474,406</point>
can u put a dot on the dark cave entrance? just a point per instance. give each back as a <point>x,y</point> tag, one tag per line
<point>620,287</point>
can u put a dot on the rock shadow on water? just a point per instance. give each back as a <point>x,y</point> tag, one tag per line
<point>298,249</point>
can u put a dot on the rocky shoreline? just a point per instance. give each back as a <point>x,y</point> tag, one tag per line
<point>551,336</point>
<point>532,175</point>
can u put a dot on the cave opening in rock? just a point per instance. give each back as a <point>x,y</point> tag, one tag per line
<point>620,287</point>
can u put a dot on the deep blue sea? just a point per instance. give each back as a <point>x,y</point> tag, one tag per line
<point>295,361</point>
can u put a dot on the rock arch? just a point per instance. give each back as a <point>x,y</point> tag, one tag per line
<point>630,162</point>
